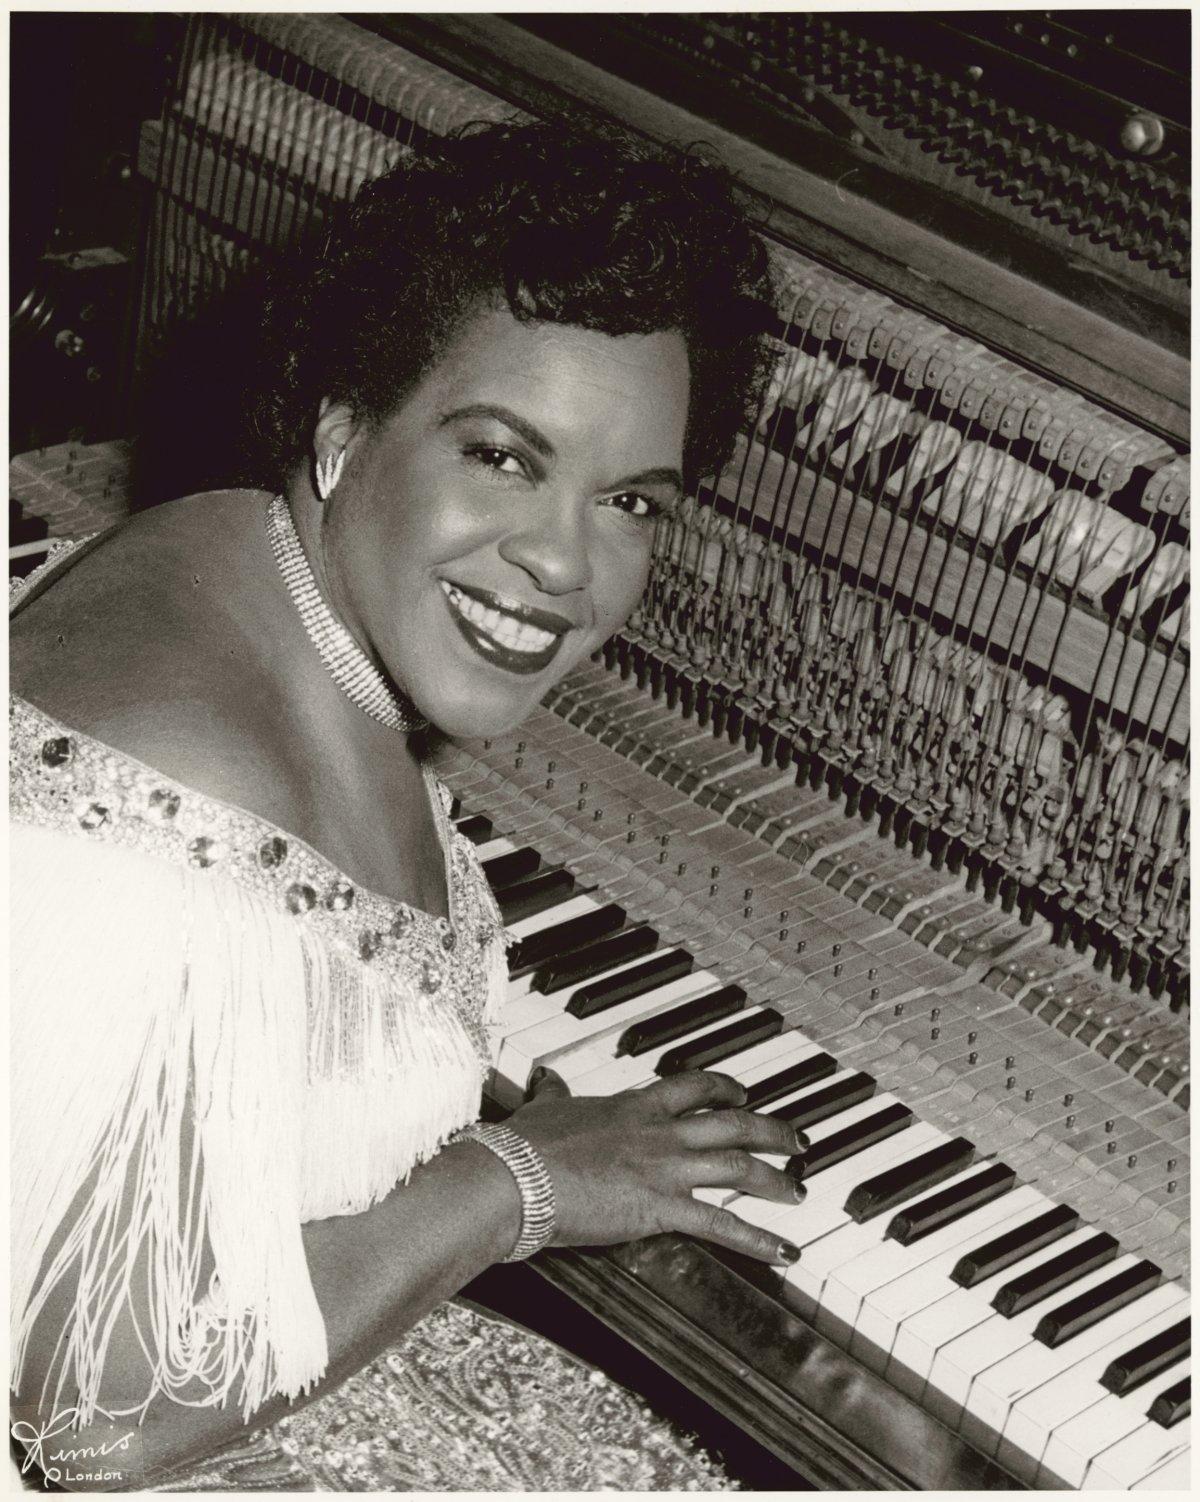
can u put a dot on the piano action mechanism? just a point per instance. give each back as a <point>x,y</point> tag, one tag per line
<point>887,779</point>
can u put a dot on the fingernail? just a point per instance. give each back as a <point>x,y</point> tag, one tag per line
<point>788,1253</point>
<point>801,1141</point>
<point>799,1191</point>
<point>536,1078</point>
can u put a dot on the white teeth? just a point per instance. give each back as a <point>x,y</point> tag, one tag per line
<point>514,636</point>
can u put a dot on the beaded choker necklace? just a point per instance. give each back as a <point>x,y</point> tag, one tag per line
<point>348,665</point>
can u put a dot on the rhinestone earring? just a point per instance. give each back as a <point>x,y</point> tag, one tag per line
<point>329,472</point>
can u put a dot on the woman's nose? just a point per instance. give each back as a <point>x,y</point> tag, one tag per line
<point>553,548</point>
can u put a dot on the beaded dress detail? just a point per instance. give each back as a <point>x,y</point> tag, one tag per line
<point>214,972</point>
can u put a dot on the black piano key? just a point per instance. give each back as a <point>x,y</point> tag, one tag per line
<point>1126,1373</point>
<point>795,1077</point>
<point>477,828</point>
<point>951,1204</point>
<point>1040,1282</point>
<point>677,1022</point>
<point>851,1139</point>
<point>1173,1405</point>
<point>886,1190</point>
<point>659,970</point>
<point>712,1048</point>
<point>822,1104</point>
<point>585,963</point>
<point>1088,1309</point>
<point>561,938</point>
<point>525,899</point>
<point>503,870</point>
<point>1022,1241</point>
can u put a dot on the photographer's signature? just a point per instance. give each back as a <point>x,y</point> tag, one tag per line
<point>57,1466</point>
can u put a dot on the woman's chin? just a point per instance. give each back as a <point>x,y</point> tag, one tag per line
<point>477,719</point>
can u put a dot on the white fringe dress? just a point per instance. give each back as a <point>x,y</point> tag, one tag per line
<point>177,962</point>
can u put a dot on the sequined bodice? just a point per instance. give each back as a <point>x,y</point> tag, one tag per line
<point>63,779</point>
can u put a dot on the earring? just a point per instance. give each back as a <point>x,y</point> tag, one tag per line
<point>329,472</point>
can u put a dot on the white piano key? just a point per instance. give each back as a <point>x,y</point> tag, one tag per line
<point>838,1250</point>
<point>1013,1377</point>
<point>536,1008</point>
<point>1034,1417</point>
<point>793,1047</point>
<point>768,1058</point>
<point>1041,1386</point>
<point>509,1078</point>
<point>761,1212</point>
<point>527,1009</point>
<point>952,1387</point>
<point>893,1288</point>
<point>587,1076</point>
<point>823,1190</point>
<point>923,1334</point>
<point>1175,1475</point>
<point>557,1040</point>
<point>823,1209</point>
<point>1075,1442</point>
<point>570,907</point>
<point>1136,1457</point>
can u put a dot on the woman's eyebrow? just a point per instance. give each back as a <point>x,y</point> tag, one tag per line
<point>536,441</point>
<point>663,474</point>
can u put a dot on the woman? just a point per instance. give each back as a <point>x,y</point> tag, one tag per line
<point>254,968</point>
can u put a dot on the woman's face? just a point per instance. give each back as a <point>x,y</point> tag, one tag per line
<point>497,528</point>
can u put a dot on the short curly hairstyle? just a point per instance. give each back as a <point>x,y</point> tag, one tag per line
<point>601,233</point>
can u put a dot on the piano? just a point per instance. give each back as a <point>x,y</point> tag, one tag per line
<point>879,802</point>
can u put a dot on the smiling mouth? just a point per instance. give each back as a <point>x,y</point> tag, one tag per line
<point>506,633</point>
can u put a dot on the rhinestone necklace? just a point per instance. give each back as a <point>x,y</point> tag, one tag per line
<point>347,664</point>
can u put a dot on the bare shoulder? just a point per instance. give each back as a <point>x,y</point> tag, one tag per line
<point>152,643</point>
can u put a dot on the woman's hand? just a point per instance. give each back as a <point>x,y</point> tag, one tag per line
<point>624,1166</point>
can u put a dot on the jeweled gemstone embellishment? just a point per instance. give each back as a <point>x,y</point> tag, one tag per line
<point>300,898</point>
<point>91,815</point>
<point>162,805</point>
<point>368,944</point>
<point>205,851</point>
<point>340,897</point>
<point>401,923</point>
<point>272,852</point>
<point>448,942</point>
<point>57,751</point>
<point>431,979</point>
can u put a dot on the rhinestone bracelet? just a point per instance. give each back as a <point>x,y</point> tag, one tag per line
<point>526,1166</point>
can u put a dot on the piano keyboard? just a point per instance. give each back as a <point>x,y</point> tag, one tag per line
<point>989,1292</point>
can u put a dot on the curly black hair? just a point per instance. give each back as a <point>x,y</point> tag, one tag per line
<point>605,234</point>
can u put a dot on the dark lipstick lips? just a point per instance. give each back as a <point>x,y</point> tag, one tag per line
<point>529,614</point>
<point>521,663</point>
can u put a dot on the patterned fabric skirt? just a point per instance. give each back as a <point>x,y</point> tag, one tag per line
<point>467,1401</point>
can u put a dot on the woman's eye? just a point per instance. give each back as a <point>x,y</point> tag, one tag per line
<point>633,503</point>
<point>503,461</point>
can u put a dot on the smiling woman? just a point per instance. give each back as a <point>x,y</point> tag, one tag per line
<point>496,529</point>
<point>243,1196</point>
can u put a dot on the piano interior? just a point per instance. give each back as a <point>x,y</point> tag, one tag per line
<point>880,801</point>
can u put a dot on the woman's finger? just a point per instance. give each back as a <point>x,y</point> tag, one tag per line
<point>749,1130</point>
<point>723,1228</point>
<point>544,1082</point>
<point>694,1090</point>
<point>746,1173</point>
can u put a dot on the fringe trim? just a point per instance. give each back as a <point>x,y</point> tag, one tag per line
<point>187,998</point>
